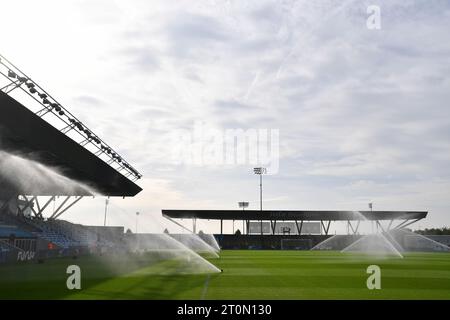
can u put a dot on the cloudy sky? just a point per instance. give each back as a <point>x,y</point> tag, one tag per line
<point>363,115</point>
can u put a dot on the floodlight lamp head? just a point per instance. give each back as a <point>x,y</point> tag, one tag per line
<point>12,74</point>
<point>243,204</point>
<point>259,170</point>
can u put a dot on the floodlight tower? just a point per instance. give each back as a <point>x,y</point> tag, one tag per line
<point>137,215</point>
<point>243,205</point>
<point>260,171</point>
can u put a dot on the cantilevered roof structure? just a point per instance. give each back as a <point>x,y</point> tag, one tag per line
<point>292,215</point>
<point>43,130</point>
<point>325,217</point>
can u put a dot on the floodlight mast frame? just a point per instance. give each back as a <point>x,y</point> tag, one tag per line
<point>18,79</point>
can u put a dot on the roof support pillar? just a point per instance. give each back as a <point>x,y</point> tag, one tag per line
<point>354,230</point>
<point>273,226</point>
<point>67,207</point>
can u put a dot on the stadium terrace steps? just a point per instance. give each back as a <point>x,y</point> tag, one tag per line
<point>76,232</point>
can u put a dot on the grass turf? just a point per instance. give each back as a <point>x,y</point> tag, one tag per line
<point>247,275</point>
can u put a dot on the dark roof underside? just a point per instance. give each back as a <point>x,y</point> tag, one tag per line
<point>24,133</point>
<point>292,215</point>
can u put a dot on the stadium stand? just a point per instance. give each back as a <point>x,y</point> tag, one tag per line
<point>51,235</point>
<point>88,236</point>
<point>26,238</point>
<point>444,239</point>
<point>7,231</point>
<point>270,242</point>
<point>5,250</point>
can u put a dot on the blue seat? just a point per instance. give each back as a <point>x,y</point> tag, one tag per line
<point>7,231</point>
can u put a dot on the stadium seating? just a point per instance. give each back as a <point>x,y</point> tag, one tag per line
<point>79,233</point>
<point>48,233</point>
<point>444,239</point>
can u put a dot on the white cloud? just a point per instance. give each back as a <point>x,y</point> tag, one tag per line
<point>351,104</point>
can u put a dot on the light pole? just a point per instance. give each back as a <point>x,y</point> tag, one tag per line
<point>106,210</point>
<point>242,205</point>
<point>371,216</point>
<point>260,171</point>
<point>137,215</point>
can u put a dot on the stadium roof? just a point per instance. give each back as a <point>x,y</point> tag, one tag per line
<point>308,215</point>
<point>24,133</point>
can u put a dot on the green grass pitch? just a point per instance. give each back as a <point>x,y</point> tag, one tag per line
<point>247,275</point>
